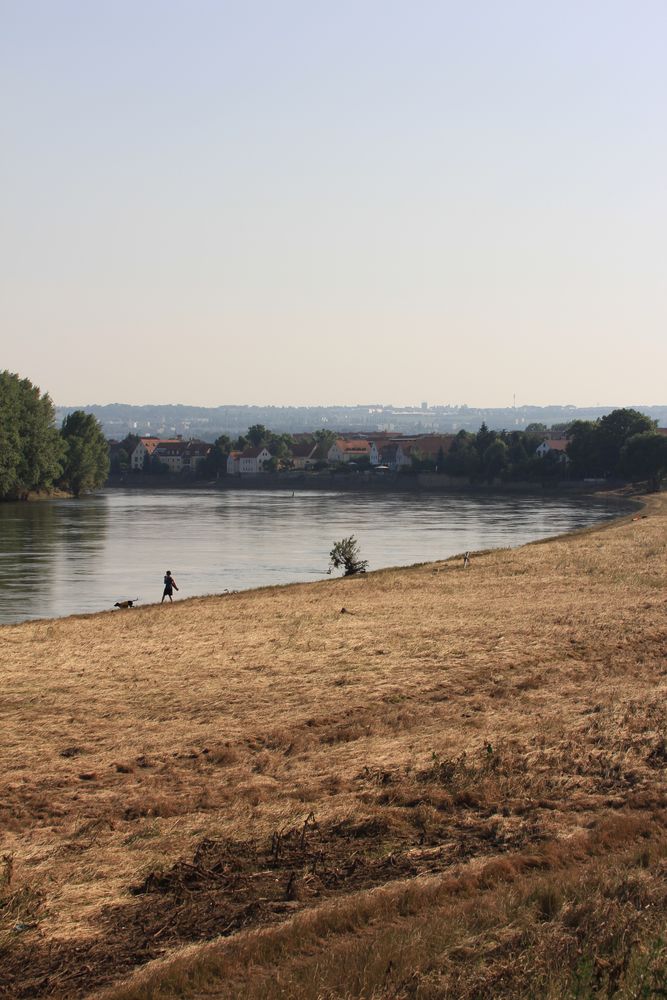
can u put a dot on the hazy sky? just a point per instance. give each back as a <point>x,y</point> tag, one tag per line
<point>321,201</point>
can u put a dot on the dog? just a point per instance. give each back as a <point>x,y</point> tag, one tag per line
<point>126,604</point>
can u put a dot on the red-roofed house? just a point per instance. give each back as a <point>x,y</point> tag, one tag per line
<point>351,451</point>
<point>556,446</point>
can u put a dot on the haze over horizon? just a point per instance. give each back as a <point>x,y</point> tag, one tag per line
<point>307,202</point>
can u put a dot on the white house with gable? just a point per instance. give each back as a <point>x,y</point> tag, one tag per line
<point>252,461</point>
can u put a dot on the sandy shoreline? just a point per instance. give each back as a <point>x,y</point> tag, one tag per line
<point>195,734</point>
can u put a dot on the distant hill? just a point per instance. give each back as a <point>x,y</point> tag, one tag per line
<point>118,419</point>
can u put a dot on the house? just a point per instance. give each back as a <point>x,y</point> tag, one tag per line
<point>182,456</point>
<point>233,463</point>
<point>178,455</point>
<point>170,453</point>
<point>195,454</point>
<point>253,461</point>
<point>556,447</point>
<point>146,447</point>
<point>304,454</point>
<point>352,451</point>
<point>388,450</point>
<point>428,446</point>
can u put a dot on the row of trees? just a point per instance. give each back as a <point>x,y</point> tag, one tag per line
<point>34,455</point>
<point>624,444</point>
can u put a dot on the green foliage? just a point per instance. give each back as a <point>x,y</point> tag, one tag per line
<point>86,465</point>
<point>345,553</point>
<point>644,456</point>
<point>257,435</point>
<point>31,450</point>
<point>595,447</point>
<point>215,463</point>
<point>494,459</point>
<point>325,439</point>
<point>614,430</point>
<point>463,458</point>
<point>279,445</point>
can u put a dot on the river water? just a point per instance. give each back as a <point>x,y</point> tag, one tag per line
<point>64,557</point>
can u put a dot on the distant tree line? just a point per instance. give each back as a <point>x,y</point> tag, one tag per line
<point>34,455</point>
<point>624,444</point>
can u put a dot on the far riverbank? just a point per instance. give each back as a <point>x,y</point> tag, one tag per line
<point>390,482</point>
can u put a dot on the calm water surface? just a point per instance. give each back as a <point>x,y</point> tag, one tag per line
<point>63,557</point>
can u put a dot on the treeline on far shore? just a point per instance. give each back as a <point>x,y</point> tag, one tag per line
<point>623,445</point>
<point>36,457</point>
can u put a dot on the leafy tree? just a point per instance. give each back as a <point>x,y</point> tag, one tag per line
<point>31,450</point>
<point>420,462</point>
<point>215,463</point>
<point>86,465</point>
<point>241,443</point>
<point>595,447</point>
<point>119,461</point>
<point>494,459</point>
<point>484,438</point>
<point>644,456</point>
<point>463,458</point>
<point>279,445</point>
<point>257,435</point>
<point>325,438</point>
<point>536,428</point>
<point>614,430</point>
<point>582,449</point>
<point>130,442</point>
<point>517,453</point>
<point>345,553</point>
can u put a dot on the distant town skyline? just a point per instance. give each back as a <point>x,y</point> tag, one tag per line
<point>313,203</point>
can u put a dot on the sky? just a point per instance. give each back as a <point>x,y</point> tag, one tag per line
<point>307,202</point>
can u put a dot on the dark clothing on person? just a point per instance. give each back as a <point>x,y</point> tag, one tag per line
<point>169,586</point>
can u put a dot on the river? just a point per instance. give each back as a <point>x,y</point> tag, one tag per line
<point>62,557</point>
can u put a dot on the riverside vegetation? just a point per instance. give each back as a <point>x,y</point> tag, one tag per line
<point>36,457</point>
<point>418,783</point>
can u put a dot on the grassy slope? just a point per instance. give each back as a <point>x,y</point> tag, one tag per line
<point>486,746</point>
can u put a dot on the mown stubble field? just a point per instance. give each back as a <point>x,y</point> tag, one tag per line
<point>427,782</point>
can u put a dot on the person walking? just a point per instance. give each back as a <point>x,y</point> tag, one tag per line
<point>169,586</point>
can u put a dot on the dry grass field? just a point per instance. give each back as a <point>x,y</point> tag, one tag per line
<point>427,782</point>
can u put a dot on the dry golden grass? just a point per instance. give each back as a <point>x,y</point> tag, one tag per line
<point>446,790</point>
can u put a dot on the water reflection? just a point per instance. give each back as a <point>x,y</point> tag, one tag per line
<point>64,557</point>
<point>44,547</point>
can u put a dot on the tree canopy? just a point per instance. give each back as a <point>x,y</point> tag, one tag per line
<point>30,446</point>
<point>86,463</point>
<point>595,447</point>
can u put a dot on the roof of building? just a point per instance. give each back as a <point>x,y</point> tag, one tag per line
<point>355,447</point>
<point>303,449</point>
<point>556,444</point>
<point>254,452</point>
